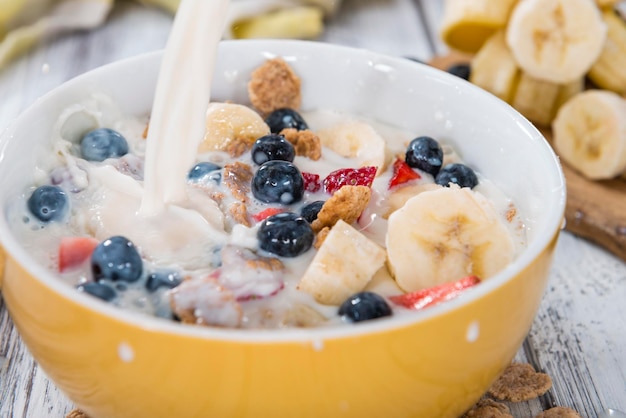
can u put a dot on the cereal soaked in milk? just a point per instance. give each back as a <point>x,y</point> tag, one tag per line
<point>289,218</point>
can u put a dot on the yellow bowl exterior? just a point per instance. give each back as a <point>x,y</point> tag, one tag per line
<point>431,368</point>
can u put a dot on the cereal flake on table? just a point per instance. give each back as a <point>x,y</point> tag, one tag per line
<point>520,382</point>
<point>488,408</point>
<point>76,413</point>
<point>559,412</point>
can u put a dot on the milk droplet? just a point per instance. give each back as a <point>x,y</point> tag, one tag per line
<point>473,331</point>
<point>318,345</point>
<point>125,352</point>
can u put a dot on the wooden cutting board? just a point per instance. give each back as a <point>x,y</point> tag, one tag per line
<point>596,210</point>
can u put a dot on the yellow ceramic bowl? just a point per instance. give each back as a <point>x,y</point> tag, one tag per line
<point>435,363</point>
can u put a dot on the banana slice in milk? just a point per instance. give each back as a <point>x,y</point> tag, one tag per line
<point>556,40</point>
<point>232,128</point>
<point>358,140</point>
<point>443,235</point>
<point>344,265</point>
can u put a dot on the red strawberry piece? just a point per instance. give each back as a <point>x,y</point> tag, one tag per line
<point>402,173</point>
<point>264,214</point>
<point>311,182</point>
<point>74,251</point>
<point>428,297</point>
<point>363,176</point>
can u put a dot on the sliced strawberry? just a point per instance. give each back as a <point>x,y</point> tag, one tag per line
<point>402,173</point>
<point>363,176</point>
<point>264,214</point>
<point>428,297</point>
<point>311,182</point>
<point>74,251</point>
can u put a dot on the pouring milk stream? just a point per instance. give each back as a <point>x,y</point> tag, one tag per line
<point>182,95</point>
<point>170,225</point>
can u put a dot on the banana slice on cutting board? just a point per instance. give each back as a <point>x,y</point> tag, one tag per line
<point>608,71</point>
<point>443,235</point>
<point>343,265</point>
<point>590,134</point>
<point>467,24</point>
<point>358,140</point>
<point>605,4</point>
<point>539,100</point>
<point>494,68</point>
<point>556,40</point>
<point>232,128</point>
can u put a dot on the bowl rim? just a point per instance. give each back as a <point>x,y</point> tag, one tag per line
<point>146,323</point>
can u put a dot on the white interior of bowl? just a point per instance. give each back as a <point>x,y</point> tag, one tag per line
<point>489,135</point>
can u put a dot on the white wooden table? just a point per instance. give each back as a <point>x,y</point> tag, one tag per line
<point>579,335</point>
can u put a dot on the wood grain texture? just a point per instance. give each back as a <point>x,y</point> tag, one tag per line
<point>578,337</point>
<point>597,210</point>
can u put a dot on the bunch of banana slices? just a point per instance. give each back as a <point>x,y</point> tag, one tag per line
<point>561,63</point>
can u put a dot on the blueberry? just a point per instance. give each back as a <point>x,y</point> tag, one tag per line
<point>278,182</point>
<point>103,143</point>
<point>272,147</point>
<point>116,259</point>
<point>462,70</point>
<point>426,154</point>
<point>364,306</point>
<point>310,210</point>
<point>458,174</point>
<point>163,278</point>
<point>285,234</point>
<point>48,203</point>
<point>205,171</point>
<point>99,290</point>
<point>285,118</point>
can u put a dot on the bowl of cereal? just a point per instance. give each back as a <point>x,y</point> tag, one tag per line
<point>360,235</point>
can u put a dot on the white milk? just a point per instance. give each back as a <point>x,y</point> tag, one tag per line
<point>183,93</point>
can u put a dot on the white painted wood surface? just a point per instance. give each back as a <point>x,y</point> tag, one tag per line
<point>579,335</point>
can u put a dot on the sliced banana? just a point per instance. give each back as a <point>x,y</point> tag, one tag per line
<point>443,235</point>
<point>607,3</point>
<point>539,100</point>
<point>556,40</point>
<point>343,265</point>
<point>300,22</point>
<point>494,68</point>
<point>399,196</point>
<point>467,24</point>
<point>358,140</point>
<point>232,128</point>
<point>608,71</point>
<point>302,316</point>
<point>590,134</point>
